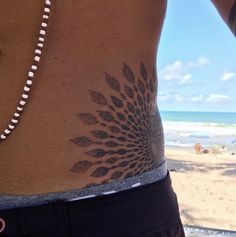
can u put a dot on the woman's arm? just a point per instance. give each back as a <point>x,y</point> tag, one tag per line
<point>227,10</point>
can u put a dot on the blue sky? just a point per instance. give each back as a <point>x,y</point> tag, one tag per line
<point>196,59</point>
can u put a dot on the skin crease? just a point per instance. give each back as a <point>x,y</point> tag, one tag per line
<point>64,139</point>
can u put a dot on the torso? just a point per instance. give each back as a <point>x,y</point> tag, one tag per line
<point>85,123</point>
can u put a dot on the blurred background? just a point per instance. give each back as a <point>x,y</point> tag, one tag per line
<point>197,99</point>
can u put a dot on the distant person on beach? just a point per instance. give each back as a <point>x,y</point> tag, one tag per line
<point>198,148</point>
<point>219,149</point>
<point>83,152</point>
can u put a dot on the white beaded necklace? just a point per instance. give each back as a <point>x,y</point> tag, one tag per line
<point>33,69</point>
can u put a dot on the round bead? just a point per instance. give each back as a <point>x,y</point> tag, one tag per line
<point>3,136</point>
<point>11,126</point>
<point>42,32</point>
<point>25,96</point>
<point>22,102</point>
<point>37,58</point>
<point>46,9</point>
<point>48,2</point>
<point>7,131</point>
<point>30,74</point>
<point>41,39</point>
<point>34,67</point>
<point>14,121</point>
<point>38,51</point>
<point>44,24</point>
<point>27,88</point>
<point>19,108</point>
<point>40,45</point>
<point>16,114</point>
<point>45,16</point>
<point>29,82</point>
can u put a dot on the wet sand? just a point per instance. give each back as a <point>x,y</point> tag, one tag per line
<point>206,187</point>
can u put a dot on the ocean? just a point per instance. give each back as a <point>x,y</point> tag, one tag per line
<point>184,129</point>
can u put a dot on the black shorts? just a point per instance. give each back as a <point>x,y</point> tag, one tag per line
<point>150,210</point>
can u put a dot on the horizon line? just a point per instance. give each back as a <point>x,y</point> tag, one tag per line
<point>161,110</point>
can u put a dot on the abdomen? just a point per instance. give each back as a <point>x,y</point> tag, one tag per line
<point>92,117</point>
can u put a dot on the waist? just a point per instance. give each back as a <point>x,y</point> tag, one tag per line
<point>156,201</point>
<point>153,175</point>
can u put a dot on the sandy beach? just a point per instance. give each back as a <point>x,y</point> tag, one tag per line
<point>206,187</point>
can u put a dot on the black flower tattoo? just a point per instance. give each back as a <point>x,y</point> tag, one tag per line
<point>126,136</point>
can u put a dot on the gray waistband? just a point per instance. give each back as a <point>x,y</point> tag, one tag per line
<point>12,201</point>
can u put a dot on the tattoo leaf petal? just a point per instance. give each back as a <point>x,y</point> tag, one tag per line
<point>141,86</point>
<point>82,141</point>
<point>97,153</point>
<point>98,98</point>
<point>111,144</point>
<point>112,82</point>
<point>117,102</point>
<point>101,171</point>
<point>116,175</point>
<point>128,74</point>
<point>81,166</point>
<point>112,160</point>
<point>100,134</point>
<point>143,71</point>
<point>129,92</point>
<point>87,118</point>
<point>105,115</point>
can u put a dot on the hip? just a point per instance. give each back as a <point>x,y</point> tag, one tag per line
<point>13,201</point>
<point>148,210</point>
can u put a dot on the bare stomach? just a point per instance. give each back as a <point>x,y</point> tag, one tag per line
<point>69,139</point>
<point>92,116</point>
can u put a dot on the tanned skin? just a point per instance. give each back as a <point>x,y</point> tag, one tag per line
<point>227,10</point>
<point>92,116</point>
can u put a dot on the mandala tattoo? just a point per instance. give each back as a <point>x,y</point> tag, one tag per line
<point>126,136</point>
